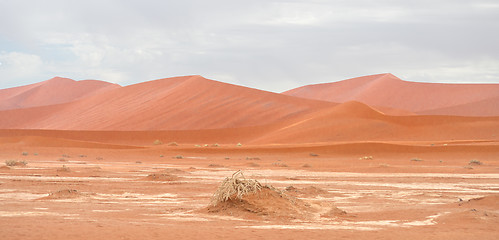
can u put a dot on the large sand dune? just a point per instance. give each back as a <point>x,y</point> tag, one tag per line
<point>53,91</point>
<point>386,90</point>
<point>180,103</point>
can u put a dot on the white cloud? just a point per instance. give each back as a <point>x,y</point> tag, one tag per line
<point>267,44</point>
<point>17,66</point>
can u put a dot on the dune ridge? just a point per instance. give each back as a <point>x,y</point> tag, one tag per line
<point>193,109</point>
<point>53,91</point>
<point>179,103</point>
<point>387,90</point>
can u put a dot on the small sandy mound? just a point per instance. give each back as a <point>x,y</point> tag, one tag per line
<point>246,198</point>
<point>490,201</point>
<point>4,168</point>
<point>165,177</point>
<point>63,194</point>
<point>334,212</point>
<point>310,191</point>
<point>174,170</point>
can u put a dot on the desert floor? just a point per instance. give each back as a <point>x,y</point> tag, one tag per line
<point>355,191</point>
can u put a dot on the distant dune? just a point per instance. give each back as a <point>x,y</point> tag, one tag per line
<point>180,103</point>
<point>388,91</point>
<point>193,109</point>
<point>54,91</point>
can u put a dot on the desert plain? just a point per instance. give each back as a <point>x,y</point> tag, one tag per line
<point>373,157</point>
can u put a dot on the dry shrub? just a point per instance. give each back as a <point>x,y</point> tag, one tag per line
<point>235,187</point>
<point>15,163</point>
<point>157,142</point>
<point>173,144</point>
<point>63,169</point>
<point>247,198</point>
<point>165,177</point>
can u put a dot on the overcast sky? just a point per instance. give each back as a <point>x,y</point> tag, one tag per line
<point>266,44</point>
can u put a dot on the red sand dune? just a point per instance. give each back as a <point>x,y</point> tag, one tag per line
<point>54,91</point>
<point>386,90</point>
<point>180,103</point>
<point>355,121</point>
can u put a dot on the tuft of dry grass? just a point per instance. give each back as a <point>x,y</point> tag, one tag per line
<point>13,163</point>
<point>475,162</point>
<point>235,187</point>
<point>157,142</point>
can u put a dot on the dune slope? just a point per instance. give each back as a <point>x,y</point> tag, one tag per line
<point>180,103</point>
<point>386,90</point>
<point>53,91</point>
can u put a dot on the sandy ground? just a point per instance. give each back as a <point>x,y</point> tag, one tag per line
<point>152,193</point>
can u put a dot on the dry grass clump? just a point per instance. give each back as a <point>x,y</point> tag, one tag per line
<point>247,198</point>
<point>173,144</point>
<point>235,187</point>
<point>475,162</point>
<point>165,177</point>
<point>14,163</point>
<point>64,168</point>
<point>157,142</point>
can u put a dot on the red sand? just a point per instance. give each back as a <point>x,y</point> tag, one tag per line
<point>362,174</point>
<point>386,90</point>
<point>179,103</point>
<point>54,91</point>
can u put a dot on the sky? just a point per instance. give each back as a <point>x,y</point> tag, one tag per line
<point>273,45</point>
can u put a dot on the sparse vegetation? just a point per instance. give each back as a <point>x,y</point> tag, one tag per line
<point>278,164</point>
<point>14,163</point>
<point>252,158</point>
<point>215,145</point>
<point>416,159</point>
<point>179,157</point>
<point>65,156</point>
<point>215,165</point>
<point>173,144</point>
<point>239,144</point>
<point>314,154</point>
<point>64,169</point>
<point>157,142</point>
<point>366,158</point>
<point>25,153</point>
<point>235,187</point>
<point>82,156</point>
<point>474,162</point>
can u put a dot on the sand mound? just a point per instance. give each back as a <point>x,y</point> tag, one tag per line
<point>310,191</point>
<point>164,177</point>
<point>63,194</point>
<point>334,212</point>
<point>246,198</point>
<point>490,201</point>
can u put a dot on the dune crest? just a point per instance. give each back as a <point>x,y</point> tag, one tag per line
<point>387,90</point>
<point>53,91</point>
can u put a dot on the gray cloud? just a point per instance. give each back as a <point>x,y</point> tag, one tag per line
<point>271,45</point>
